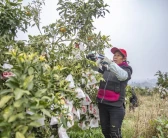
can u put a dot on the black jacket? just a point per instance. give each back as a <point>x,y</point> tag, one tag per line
<point>112,91</point>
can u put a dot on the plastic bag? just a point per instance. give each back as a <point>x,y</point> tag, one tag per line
<point>96,111</point>
<point>52,136</point>
<point>53,121</point>
<point>62,132</point>
<point>94,123</point>
<point>92,80</point>
<point>7,66</point>
<point>70,123</point>
<point>68,105</point>
<point>76,53</point>
<point>29,112</point>
<point>86,100</point>
<point>93,109</point>
<point>7,74</point>
<point>81,47</point>
<point>83,110</point>
<point>70,79</point>
<point>80,93</point>
<point>82,125</point>
<point>78,56</point>
<point>83,81</point>
<point>41,121</point>
<point>76,112</point>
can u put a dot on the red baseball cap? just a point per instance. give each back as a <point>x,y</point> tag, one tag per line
<point>122,51</point>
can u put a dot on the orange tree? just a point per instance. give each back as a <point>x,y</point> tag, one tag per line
<point>38,88</point>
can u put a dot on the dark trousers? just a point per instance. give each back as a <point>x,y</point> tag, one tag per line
<point>111,120</point>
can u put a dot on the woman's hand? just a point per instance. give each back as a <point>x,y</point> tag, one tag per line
<point>91,56</point>
<point>106,60</point>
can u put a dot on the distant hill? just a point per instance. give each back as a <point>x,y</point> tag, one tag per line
<point>150,83</point>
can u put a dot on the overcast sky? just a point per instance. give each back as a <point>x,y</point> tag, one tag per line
<point>139,26</point>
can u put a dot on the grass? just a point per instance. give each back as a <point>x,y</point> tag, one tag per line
<point>138,124</point>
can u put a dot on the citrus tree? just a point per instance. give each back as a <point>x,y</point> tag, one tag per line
<point>49,81</point>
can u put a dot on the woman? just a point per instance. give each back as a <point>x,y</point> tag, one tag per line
<point>111,94</point>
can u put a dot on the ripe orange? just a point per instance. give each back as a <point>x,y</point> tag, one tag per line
<point>90,38</point>
<point>63,29</point>
<point>28,13</point>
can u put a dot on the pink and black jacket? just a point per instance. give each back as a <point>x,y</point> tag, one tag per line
<point>112,90</point>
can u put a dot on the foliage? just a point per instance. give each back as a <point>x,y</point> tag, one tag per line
<point>144,91</point>
<point>128,94</point>
<point>92,133</point>
<point>14,17</point>
<point>38,88</point>
<point>162,79</point>
<point>76,132</point>
<point>162,84</point>
<point>161,127</point>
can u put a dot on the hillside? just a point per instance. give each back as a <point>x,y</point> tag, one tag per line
<point>150,83</point>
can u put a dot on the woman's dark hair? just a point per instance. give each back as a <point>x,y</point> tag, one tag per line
<point>127,62</point>
<point>124,57</point>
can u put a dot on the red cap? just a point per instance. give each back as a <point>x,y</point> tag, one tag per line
<point>123,51</point>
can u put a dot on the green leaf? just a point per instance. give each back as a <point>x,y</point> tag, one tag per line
<point>40,93</point>
<point>20,0</point>
<point>35,124</point>
<point>46,112</point>
<point>30,86</point>
<point>166,126</point>
<point>7,112</point>
<point>18,103</point>
<point>30,70</point>
<point>13,4</point>
<point>2,124</point>
<point>4,100</point>
<point>19,93</point>
<point>28,82</point>
<point>19,135</point>
<point>12,118</point>
<point>64,121</point>
<point>46,97</point>
<point>17,128</point>
<point>24,129</point>
<point>11,84</point>
<point>5,134</point>
<point>20,116</point>
<point>35,117</point>
<point>31,136</point>
<point>5,91</point>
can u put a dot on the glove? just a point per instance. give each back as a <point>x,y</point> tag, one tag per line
<point>106,61</point>
<point>91,56</point>
<point>100,56</point>
<point>94,57</point>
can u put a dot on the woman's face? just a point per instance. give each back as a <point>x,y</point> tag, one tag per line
<point>118,58</point>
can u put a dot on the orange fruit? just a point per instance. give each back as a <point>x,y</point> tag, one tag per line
<point>90,38</point>
<point>76,45</point>
<point>63,29</point>
<point>28,13</point>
